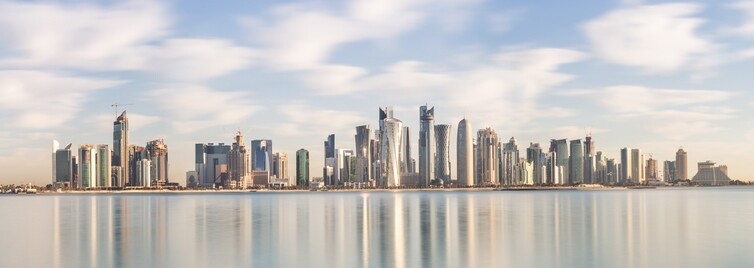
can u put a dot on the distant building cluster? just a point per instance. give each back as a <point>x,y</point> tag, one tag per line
<point>103,167</point>
<point>381,158</point>
<point>385,160</point>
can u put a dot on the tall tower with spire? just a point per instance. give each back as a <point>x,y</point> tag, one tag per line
<point>120,148</point>
<point>426,144</point>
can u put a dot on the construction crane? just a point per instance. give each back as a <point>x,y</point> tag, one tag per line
<point>116,105</point>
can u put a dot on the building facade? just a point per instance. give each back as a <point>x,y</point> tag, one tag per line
<point>487,157</point>
<point>442,153</point>
<point>302,168</point>
<point>426,144</point>
<point>120,157</point>
<point>465,154</point>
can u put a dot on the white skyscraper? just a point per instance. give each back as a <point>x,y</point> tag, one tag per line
<point>390,150</point>
<point>465,154</point>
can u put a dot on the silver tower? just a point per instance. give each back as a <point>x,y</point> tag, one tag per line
<point>465,154</point>
<point>426,144</point>
<point>390,149</point>
<point>442,167</point>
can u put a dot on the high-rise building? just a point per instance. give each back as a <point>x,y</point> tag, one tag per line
<point>487,157</point>
<point>330,146</point>
<point>302,168</point>
<point>562,160</point>
<point>407,164</point>
<point>465,154</point>
<point>589,160</point>
<point>239,164</point>
<point>626,174</point>
<point>576,163</point>
<point>280,167</point>
<point>613,172</point>
<point>212,163</point>
<point>330,170</point>
<point>64,166</point>
<point>535,156</point>
<point>363,154</point>
<point>346,165</point>
<point>75,179</point>
<point>651,169</point>
<point>637,166</point>
<point>390,149</point>
<point>510,163</point>
<point>135,154</point>
<point>87,166</point>
<point>104,169</point>
<point>261,155</point>
<point>143,174</point>
<point>157,153</point>
<point>120,157</point>
<point>426,144</point>
<point>442,153</point>
<point>668,171</point>
<point>681,165</point>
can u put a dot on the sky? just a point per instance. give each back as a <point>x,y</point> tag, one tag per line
<point>654,75</point>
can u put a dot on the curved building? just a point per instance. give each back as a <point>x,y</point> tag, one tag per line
<point>465,154</point>
<point>390,152</point>
<point>442,161</point>
<point>426,144</point>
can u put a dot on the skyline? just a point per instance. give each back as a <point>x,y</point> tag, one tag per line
<point>273,72</point>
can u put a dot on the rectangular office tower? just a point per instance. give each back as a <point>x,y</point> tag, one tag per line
<point>239,164</point>
<point>363,152</point>
<point>104,170</point>
<point>157,153</point>
<point>120,148</point>
<point>211,163</point>
<point>426,144</point>
<point>302,168</point>
<point>487,157</point>
<point>64,167</point>
<point>87,166</point>
<point>576,163</point>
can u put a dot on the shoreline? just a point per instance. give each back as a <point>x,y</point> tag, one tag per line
<point>263,191</point>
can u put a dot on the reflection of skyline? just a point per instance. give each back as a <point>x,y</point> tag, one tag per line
<point>390,229</point>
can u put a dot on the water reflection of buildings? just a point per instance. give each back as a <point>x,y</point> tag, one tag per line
<point>102,231</point>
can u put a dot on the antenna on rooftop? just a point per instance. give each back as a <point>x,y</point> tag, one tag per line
<point>116,105</point>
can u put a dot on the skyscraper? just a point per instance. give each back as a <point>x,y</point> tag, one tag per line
<point>143,175</point>
<point>120,148</point>
<point>442,161</point>
<point>668,169</point>
<point>562,160</point>
<point>87,166</point>
<point>576,163</point>
<point>261,155</point>
<point>535,156</point>
<point>681,165</point>
<point>626,172</point>
<point>239,164</point>
<point>104,170</point>
<point>363,154</point>
<point>426,144</point>
<point>390,149</point>
<point>280,167</point>
<point>637,166</point>
<point>407,164</point>
<point>64,167</point>
<point>330,146</point>
<point>214,163</point>
<point>510,163</point>
<point>135,154</point>
<point>157,153</point>
<point>487,157</point>
<point>302,168</point>
<point>465,154</point>
<point>651,169</point>
<point>589,160</point>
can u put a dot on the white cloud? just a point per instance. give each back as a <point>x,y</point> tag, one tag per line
<point>673,113</point>
<point>656,38</point>
<point>80,36</point>
<point>133,35</point>
<point>746,28</point>
<point>194,108</point>
<point>43,100</point>
<point>304,118</point>
<point>198,59</point>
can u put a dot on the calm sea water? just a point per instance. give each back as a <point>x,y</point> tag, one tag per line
<point>712,227</point>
